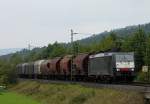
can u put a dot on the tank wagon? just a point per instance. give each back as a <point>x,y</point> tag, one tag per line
<point>106,66</point>
<point>80,66</point>
<point>55,66</point>
<point>65,67</point>
<point>37,68</point>
<point>19,70</point>
<point>45,68</point>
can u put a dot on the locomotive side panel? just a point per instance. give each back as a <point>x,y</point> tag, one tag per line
<point>100,66</point>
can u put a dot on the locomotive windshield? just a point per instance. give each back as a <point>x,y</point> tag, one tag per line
<point>124,58</point>
<point>125,61</point>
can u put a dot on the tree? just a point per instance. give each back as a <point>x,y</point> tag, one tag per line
<point>137,44</point>
<point>7,72</point>
<point>57,50</point>
<point>109,42</point>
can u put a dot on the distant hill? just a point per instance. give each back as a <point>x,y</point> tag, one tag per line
<point>20,51</point>
<point>121,32</point>
<point>9,50</point>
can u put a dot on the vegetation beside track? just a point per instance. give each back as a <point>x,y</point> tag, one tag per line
<point>75,94</point>
<point>7,97</point>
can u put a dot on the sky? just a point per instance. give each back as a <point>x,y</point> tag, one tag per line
<point>40,22</point>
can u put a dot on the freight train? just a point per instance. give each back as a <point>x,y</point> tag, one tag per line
<point>107,66</point>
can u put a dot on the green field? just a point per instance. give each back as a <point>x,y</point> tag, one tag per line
<point>14,98</point>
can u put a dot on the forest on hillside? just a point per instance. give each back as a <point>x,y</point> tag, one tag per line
<point>137,42</point>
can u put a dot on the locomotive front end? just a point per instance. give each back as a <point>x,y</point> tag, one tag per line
<point>124,65</point>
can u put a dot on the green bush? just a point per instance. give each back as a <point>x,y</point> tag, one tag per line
<point>143,77</point>
<point>7,73</point>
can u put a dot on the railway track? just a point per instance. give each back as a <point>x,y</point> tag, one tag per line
<point>141,84</point>
<point>135,86</point>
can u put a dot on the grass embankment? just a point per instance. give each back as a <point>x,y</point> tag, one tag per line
<point>14,98</point>
<point>75,94</point>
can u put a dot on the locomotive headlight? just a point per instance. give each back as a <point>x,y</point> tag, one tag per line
<point>132,69</point>
<point>118,69</point>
